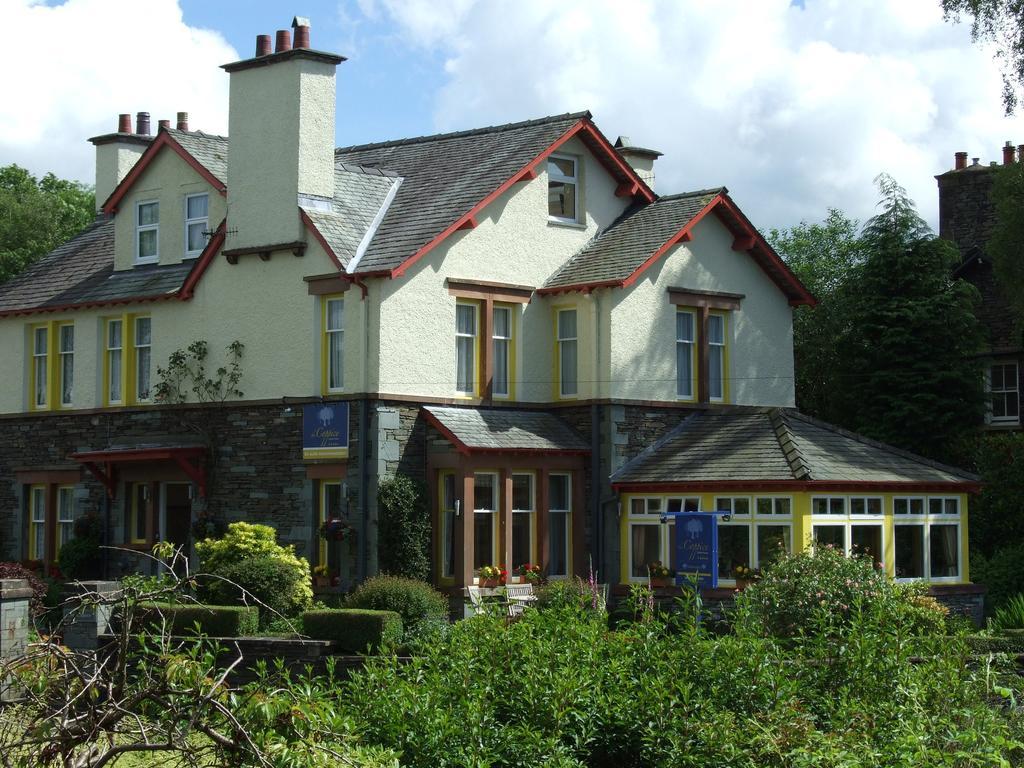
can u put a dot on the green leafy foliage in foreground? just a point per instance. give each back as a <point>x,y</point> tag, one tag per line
<point>558,688</point>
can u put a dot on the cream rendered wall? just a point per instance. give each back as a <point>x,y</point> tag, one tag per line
<point>113,161</point>
<point>514,242</point>
<point>168,179</point>
<point>281,123</point>
<point>760,333</point>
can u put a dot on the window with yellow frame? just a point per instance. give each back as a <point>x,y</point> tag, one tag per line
<point>332,345</point>
<point>38,525</point>
<point>718,371</point>
<point>331,507</point>
<point>37,522</point>
<point>51,365</point>
<point>566,353</point>
<point>467,348</point>
<point>138,518</point>
<point>127,360</point>
<point>502,342</point>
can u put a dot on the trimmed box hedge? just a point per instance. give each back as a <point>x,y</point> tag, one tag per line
<point>213,620</point>
<point>355,630</point>
<point>1005,643</point>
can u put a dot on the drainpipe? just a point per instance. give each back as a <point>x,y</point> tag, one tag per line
<point>364,444</point>
<point>595,442</point>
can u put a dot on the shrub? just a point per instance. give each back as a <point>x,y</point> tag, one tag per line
<point>1011,615</point>
<point>213,620</point>
<point>37,603</point>
<point>823,589</point>
<point>571,593</point>
<point>404,537</point>
<point>415,601</point>
<point>1001,575</point>
<point>244,542</point>
<point>354,630</point>
<point>276,585</point>
<point>80,559</point>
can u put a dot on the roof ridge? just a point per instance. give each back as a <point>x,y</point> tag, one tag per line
<point>678,429</point>
<point>695,193</point>
<point>469,132</point>
<point>200,134</point>
<point>790,449</point>
<point>793,413</point>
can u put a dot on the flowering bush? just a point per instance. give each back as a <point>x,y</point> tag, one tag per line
<point>492,572</point>
<point>530,573</point>
<point>822,589</point>
<point>659,571</point>
<point>336,529</point>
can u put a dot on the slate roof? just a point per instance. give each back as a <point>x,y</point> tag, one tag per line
<point>359,194</point>
<point>444,176</point>
<point>210,150</point>
<point>631,240</point>
<point>502,429</point>
<point>776,444</point>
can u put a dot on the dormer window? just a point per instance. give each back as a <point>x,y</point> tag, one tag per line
<point>196,219</point>
<point>147,232</point>
<point>562,184</point>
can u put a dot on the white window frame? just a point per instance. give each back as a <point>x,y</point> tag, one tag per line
<point>647,517</point>
<point>532,520</point>
<point>691,346</point>
<point>992,419</point>
<point>554,175</point>
<point>568,522</point>
<point>110,353</point>
<point>754,520</point>
<point>926,519</point>
<point>506,343</point>
<point>561,341</point>
<point>138,359</point>
<point>329,334</point>
<point>140,228</point>
<point>474,347</point>
<point>776,503</point>
<point>66,363</point>
<point>204,220</point>
<point>847,520</point>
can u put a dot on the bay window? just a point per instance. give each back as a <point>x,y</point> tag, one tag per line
<point>851,524</point>
<point>522,520</point>
<point>756,534</point>
<point>485,496</point>
<point>143,358</point>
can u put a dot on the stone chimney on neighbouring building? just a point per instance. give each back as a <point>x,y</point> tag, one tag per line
<point>116,153</point>
<point>281,124</point>
<point>640,159</point>
<point>966,214</point>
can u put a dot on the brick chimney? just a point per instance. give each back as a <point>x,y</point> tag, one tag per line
<point>966,213</point>
<point>640,159</point>
<point>281,119</point>
<point>116,153</point>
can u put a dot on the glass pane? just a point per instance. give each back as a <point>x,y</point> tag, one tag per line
<point>858,506</point>
<point>197,207</point>
<point>716,329</point>
<point>335,347</point>
<point>900,506</point>
<point>867,540</point>
<point>909,551</point>
<point>723,504</point>
<point>40,377</point>
<point>67,376</point>
<point>483,539</point>
<point>558,539</point>
<point>674,505</point>
<point>943,551</point>
<point>733,549</point>
<point>142,373</point>
<point>465,374</point>
<point>335,314</point>
<point>65,504</point>
<point>917,506</point>
<point>522,491</point>
<point>40,336</point>
<point>837,506</point>
<point>521,539</point>
<point>568,367</point>
<point>38,505</point>
<point>333,502</point>
<point>997,377</point>
<point>114,334</point>
<point>830,535</point>
<point>934,506</point>
<point>773,541</point>
<point>448,491</point>
<point>139,513</point>
<point>561,200</point>
<point>149,213</point>
<point>502,322</point>
<point>715,371</point>
<point>115,376</point>
<point>500,383</point>
<point>638,507</point>
<point>147,243</point>
<point>951,506</point>
<point>782,507</point>
<point>741,507</point>
<point>558,492</point>
<point>1012,405</point>
<point>819,506</point>
<point>561,166</point>
<point>465,319</point>
<point>645,541</point>
<point>684,369</point>
<point>874,506</point>
<point>142,332</point>
<point>567,324</point>
<point>653,506</point>
<point>764,506</point>
<point>196,237</point>
<point>448,545</point>
<point>67,338</point>
<point>40,541</point>
<point>691,505</point>
<point>684,326</point>
<point>483,492</point>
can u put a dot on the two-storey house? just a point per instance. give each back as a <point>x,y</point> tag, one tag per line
<point>511,315</point>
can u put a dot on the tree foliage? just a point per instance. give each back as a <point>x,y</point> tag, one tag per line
<point>404,541</point>
<point>37,215</point>
<point>1000,22</point>
<point>1004,245</point>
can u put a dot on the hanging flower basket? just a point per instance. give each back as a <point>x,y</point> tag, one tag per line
<point>337,529</point>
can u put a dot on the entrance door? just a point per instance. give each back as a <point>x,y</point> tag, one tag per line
<point>176,515</point>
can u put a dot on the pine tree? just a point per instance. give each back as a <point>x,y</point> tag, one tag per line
<point>909,372</point>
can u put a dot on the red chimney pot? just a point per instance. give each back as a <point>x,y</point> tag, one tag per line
<point>302,37</point>
<point>1008,153</point>
<point>142,123</point>
<point>183,121</point>
<point>124,122</point>
<point>164,124</point>
<point>284,41</point>
<point>262,45</point>
<point>961,161</point>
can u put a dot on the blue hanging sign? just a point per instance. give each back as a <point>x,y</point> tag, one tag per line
<point>325,431</point>
<point>697,549</point>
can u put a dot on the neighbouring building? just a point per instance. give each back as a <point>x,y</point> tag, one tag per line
<point>966,216</point>
<point>511,315</point>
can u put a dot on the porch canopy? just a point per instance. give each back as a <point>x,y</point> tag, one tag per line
<point>503,442</point>
<point>103,464</point>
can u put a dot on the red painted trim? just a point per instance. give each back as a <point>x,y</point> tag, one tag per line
<point>626,190</point>
<point>585,287</point>
<point>824,486</point>
<point>195,472</point>
<point>323,242</point>
<point>162,140</point>
<point>460,446</point>
<point>115,456</point>
<point>470,223</point>
<point>203,262</point>
<point>743,243</point>
<point>610,159</point>
<point>528,175</point>
<point>88,305</point>
<point>105,476</point>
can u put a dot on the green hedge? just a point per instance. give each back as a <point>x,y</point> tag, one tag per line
<point>213,620</point>
<point>1007,643</point>
<point>355,630</point>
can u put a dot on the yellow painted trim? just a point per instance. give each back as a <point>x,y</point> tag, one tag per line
<point>478,337</point>
<point>58,368</point>
<point>511,341</point>
<point>32,541</point>
<point>556,376</point>
<point>725,357</point>
<point>57,520</point>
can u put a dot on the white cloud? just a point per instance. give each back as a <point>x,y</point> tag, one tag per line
<point>71,69</point>
<point>795,110</point>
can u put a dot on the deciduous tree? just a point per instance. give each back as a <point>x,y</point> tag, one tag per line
<point>1000,22</point>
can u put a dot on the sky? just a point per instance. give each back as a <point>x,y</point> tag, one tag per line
<point>796,108</point>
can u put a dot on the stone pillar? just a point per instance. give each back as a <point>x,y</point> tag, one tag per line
<point>84,620</point>
<point>14,614</point>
